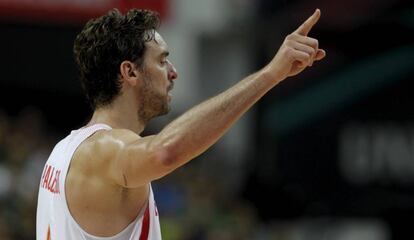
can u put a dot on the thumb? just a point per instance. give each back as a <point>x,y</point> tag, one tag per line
<point>320,54</point>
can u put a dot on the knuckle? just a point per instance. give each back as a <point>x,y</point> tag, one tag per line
<point>313,51</point>
<point>289,53</point>
<point>291,36</point>
<point>288,42</point>
<point>314,42</point>
<point>307,56</point>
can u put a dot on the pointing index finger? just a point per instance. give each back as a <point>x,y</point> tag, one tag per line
<point>305,28</point>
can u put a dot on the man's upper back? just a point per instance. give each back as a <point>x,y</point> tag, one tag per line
<point>78,194</point>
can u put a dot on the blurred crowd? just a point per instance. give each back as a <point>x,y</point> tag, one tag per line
<point>24,148</point>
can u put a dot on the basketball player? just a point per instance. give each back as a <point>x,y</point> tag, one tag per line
<point>96,183</point>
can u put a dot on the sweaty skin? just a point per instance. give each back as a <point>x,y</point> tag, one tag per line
<point>108,180</point>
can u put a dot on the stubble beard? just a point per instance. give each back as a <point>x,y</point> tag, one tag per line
<point>152,103</point>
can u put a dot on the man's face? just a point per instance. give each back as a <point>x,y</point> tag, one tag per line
<point>159,75</point>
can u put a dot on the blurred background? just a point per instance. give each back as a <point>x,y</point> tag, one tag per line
<point>328,154</point>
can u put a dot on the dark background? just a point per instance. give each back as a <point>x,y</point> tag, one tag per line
<point>362,92</point>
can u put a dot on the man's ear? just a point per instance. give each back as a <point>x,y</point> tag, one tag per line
<point>129,72</point>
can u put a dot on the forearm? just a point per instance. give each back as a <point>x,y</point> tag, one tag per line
<point>200,127</point>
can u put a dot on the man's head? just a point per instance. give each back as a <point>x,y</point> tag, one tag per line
<point>115,51</point>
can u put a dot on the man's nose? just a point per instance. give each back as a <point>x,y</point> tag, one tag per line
<point>172,72</point>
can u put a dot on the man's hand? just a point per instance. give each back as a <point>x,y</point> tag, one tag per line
<point>298,51</point>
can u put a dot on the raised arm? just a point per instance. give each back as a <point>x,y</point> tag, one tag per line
<point>142,160</point>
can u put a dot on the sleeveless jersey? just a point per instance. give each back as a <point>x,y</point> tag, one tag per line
<point>54,220</point>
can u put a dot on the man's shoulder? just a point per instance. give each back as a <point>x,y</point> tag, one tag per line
<point>103,146</point>
<point>113,138</point>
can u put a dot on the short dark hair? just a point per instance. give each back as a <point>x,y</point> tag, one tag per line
<point>104,43</point>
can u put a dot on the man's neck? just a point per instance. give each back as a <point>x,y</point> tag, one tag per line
<point>118,117</point>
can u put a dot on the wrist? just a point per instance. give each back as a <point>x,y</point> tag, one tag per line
<point>269,73</point>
